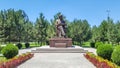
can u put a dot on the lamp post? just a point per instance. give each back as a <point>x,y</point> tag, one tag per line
<point>108,19</point>
<point>108,14</point>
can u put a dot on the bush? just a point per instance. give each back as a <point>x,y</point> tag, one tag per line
<point>98,44</point>
<point>19,45</point>
<point>116,55</point>
<point>92,44</point>
<point>105,51</point>
<point>10,51</point>
<point>27,45</point>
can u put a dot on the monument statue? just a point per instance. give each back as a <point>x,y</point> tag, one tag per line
<point>61,40</point>
<point>60,27</point>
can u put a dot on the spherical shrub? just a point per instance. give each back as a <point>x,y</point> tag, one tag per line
<point>19,45</point>
<point>27,45</point>
<point>98,44</point>
<point>10,51</point>
<point>116,55</point>
<point>92,44</point>
<point>105,51</point>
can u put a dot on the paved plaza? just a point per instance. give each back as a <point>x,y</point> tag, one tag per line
<point>57,60</point>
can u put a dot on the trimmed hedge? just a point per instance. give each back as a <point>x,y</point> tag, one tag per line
<point>105,51</point>
<point>27,45</point>
<point>92,44</point>
<point>98,44</point>
<point>10,51</point>
<point>116,55</point>
<point>19,45</point>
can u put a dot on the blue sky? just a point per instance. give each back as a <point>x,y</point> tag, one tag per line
<point>94,11</point>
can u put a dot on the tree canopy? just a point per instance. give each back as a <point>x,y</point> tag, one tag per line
<point>15,26</point>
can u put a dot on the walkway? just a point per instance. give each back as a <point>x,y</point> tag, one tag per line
<point>57,60</point>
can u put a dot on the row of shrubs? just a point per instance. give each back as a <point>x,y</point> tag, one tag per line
<point>91,44</point>
<point>95,44</point>
<point>19,45</point>
<point>14,62</point>
<point>100,62</point>
<point>107,51</point>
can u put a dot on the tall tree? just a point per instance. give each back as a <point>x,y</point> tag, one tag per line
<point>95,34</point>
<point>117,29</point>
<point>41,26</point>
<point>12,24</point>
<point>21,19</point>
<point>79,31</point>
<point>2,21</point>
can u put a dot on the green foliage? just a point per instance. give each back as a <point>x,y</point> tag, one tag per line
<point>19,45</point>
<point>98,44</point>
<point>10,51</point>
<point>107,31</point>
<point>92,44</point>
<point>2,59</point>
<point>41,26</point>
<point>15,26</point>
<point>116,55</point>
<point>12,24</point>
<point>1,48</point>
<point>27,45</point>
<point>95,33</point>
<point>34,44</point>
<point>79,31</point>
<point>105,51</point>
<point>86,44</point>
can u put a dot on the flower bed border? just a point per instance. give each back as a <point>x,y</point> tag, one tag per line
<point>14,62</point>
<point>100,62</point>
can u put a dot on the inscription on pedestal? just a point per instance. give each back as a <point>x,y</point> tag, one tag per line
<point>60,42</point>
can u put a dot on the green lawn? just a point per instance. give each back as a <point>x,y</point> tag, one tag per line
<point>32,44</point>
<point>86,44</point>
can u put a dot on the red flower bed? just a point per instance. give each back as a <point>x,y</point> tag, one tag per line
<point>100,62</point>
<point>14,62</point>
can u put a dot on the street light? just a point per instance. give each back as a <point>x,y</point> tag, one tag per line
<point>108,11</point>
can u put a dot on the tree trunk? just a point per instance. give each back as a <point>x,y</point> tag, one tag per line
<point>9,35</point>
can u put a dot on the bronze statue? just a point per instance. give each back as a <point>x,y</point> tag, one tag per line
<point>60,27</point>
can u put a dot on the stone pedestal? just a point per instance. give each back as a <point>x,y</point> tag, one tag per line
<point>60,42</point>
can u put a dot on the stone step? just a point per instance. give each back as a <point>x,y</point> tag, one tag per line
<point>59,50</point>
